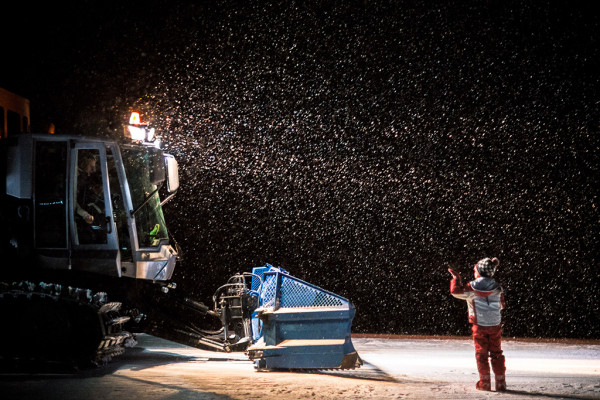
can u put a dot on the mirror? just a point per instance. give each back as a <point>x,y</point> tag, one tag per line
<point>172,173</point>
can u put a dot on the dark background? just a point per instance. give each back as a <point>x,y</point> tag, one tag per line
<point>362,146</point>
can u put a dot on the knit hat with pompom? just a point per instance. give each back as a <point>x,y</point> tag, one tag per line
<point>487,267</point>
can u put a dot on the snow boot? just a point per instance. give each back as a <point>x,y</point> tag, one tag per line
<point>484,383</point>
<point>500,383</point>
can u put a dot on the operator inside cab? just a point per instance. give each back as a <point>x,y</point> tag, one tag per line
<point>89,208</point>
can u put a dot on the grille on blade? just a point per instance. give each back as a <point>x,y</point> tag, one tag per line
<point>296,293</point>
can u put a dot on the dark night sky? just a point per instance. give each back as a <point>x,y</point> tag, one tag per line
<point>363,146</point>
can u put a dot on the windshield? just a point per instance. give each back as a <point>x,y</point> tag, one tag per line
<point>149,218</point>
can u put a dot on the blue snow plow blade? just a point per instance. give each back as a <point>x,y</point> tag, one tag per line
<point>299,325</point>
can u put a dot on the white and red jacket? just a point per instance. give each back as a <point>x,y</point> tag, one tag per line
<point>484,297</point>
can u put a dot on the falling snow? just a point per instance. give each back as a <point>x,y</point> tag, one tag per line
<point>365,147</point>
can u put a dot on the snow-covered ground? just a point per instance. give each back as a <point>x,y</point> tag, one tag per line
<point>398,368</point>
<point>447,366</point>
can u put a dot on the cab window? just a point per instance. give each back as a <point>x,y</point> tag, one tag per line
<point>89,198</point>
<point>50,194</point>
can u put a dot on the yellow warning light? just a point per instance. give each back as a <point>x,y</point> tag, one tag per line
<point>138,131</point>
<point>135,118</point>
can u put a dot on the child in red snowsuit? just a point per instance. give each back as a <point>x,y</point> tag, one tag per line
<point>485,300</point>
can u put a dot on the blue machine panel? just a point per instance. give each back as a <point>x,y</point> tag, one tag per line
<point>301,326</point>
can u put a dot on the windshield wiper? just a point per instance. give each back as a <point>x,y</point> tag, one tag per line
<point>147,199</point>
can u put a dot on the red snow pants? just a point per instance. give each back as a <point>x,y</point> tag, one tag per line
<point>488,346</point>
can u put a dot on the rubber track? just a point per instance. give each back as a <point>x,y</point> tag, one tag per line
<point>51,323</point>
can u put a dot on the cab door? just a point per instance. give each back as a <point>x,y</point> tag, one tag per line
<point>93,234</point>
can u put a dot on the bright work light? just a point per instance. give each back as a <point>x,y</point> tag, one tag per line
<point>136,130</point>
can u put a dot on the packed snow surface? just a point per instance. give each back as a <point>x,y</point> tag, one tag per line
<point>398,368</point>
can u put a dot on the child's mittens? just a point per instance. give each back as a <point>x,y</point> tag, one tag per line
<point>454,273</point>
